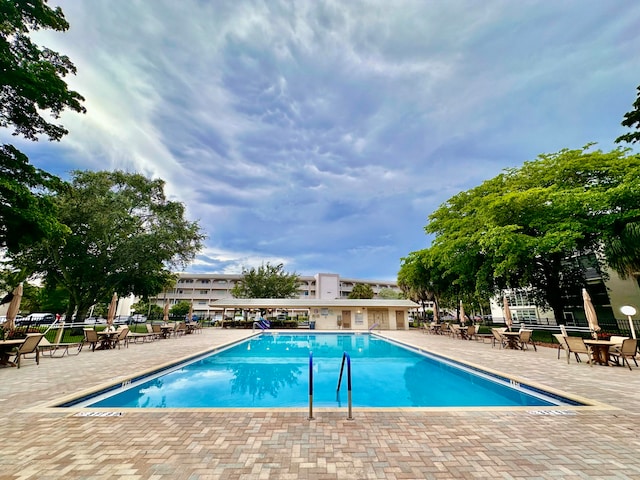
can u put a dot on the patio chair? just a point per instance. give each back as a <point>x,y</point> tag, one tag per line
<point>628,350</point>
<point>498,337</point>
<point>91,337</point>
<point>152,331</point>
<point>617,340</point>
<point>198,326</point>
<point>179,328</point>
<point>122,337</point>
<point>526,338</point>
<point>471,333</point>
<point>455,330</point>
<point>562,342</point>
<point>577,346</point>
<point>29,346</point>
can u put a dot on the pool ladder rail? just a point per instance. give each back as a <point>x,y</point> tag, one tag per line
<point>345,356</point>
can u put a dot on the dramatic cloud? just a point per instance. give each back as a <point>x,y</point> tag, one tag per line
<point>322,134</point>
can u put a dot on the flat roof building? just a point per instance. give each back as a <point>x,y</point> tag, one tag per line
<point>203,289</point>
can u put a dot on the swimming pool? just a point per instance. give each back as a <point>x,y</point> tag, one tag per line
<point>272,370</point>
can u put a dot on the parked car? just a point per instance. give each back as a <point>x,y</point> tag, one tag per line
<point>37,319</point>
<point>3,318</point>
<point>95,320</point>
<point>138,318</point>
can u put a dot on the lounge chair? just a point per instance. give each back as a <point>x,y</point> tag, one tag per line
<point>576,346</point>
<point>144,336</point>
<point>498,337</point>
<point>628,350</point>
<point>525,339</point>
<point>29,346</point>
<point>154,332</point>
<point>58,346</point>
<point>563,344</point>
<point>91,337</point>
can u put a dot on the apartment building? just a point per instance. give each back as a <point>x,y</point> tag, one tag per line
<point>609,293</point>
<point>204,288</point>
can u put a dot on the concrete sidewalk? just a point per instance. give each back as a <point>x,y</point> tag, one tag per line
<point>40,444</point>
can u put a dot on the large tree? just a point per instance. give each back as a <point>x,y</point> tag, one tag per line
<point>525,227</point>
<point>361,290</point>
<point>32,93</point>
<point>415,281</point>
<point>267,281</point>
<point>125,236</point>
<point>632,120</point>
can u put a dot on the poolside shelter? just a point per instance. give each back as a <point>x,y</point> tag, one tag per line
<point>348,314</point>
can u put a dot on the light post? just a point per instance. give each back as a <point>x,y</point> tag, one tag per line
<point>629,311</point>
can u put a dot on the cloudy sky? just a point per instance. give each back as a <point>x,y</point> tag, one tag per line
<point>322,134</point>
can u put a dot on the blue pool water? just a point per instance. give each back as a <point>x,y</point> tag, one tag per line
<point>272,370</point>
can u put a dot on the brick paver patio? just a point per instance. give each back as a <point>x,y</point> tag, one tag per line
<point>38,443</point>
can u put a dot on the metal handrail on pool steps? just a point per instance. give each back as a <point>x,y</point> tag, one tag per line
<point>345,356</point>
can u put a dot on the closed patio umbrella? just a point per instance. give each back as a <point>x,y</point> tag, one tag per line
<point>190,314</point>
<point>165,312</point>
<point>111,313</point>
<point>14,308</point>
<point>507,313</point>
<point>436,311</point>
<point>590,312</point>
<point>463,321</point>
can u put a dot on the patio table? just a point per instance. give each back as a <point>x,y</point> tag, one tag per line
<point>600,350</point>
<point>513,338</point>
<point>5,347</point>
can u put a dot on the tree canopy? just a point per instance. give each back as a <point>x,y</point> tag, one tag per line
<point>31,86</point>
<point>267,281</point>
<point>632,120</point>
<point>124,237</point>
<point>528,226</point>
<point>361,290</point>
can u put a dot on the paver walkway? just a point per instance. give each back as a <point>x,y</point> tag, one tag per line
<point>397,444</point>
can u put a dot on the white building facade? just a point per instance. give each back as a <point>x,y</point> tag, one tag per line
<point>203,289</point>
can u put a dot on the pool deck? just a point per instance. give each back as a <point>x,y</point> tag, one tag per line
<point>38,443</point>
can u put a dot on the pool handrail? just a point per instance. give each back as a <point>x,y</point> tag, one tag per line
<point>374,326</point>
<point>310,386</point>
<point>346,356</point>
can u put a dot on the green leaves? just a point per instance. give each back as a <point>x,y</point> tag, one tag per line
<point>361,290</point>
<point>123,236</point>
<point>520,228</point>
<point>31,87</point>
<point>632,120</point>
<point>267,281</point>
